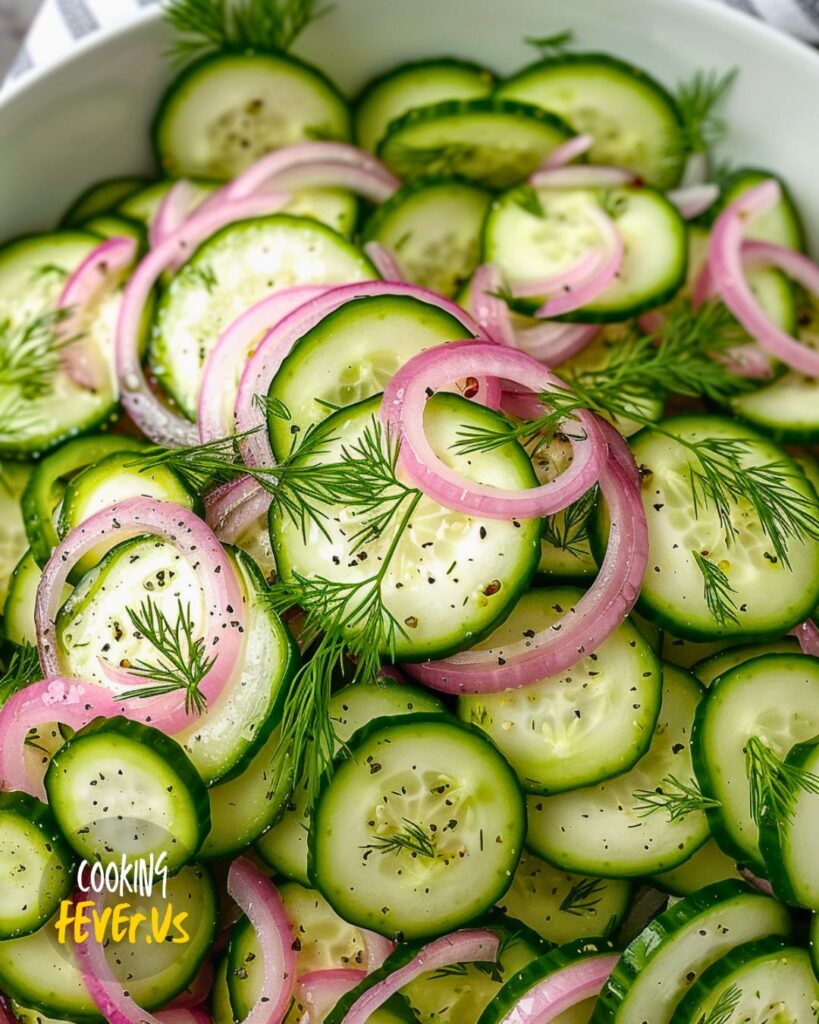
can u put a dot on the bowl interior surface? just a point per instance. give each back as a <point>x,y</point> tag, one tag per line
<point>88,117</point>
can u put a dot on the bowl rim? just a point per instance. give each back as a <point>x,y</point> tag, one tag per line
<point>717,12</point>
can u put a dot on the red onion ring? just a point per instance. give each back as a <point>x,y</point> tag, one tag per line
<point>259,899</point>
<point>183,1015</point>
<point>180,201</point>
<point>70,702</point>
<point>226,360</point>
<point>554,343</point>
<point>319,991</point>
<point>597,614</point>
<point>97,273</point>
<point>807,633</point>
<point>459,947</point>
<point>6,1016</point>
<point>762,884</point>
<point>158,422</point>
<point>582,176</point>
<point>223,599</point>
<point>384,261</point>
<point>726,259</point>
<point>560,991</point>
<point>567,152</point>
<point>692,200</point>
<point>377,947</point>
<point>581,273</point>
<point>197,991</point>
<point>234,507</point>
<point>491,312</point>
<point>403,411</point>
<point>270,354</point>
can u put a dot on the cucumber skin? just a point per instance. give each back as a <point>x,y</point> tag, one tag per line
<point>407,191</point>
<point>662,929</point>
<point>787,200</point>
<point>87,203</point>
<point>419,65</point>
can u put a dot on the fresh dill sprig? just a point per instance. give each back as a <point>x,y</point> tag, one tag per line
<point>208,26</point>
<point>698,100</point>
<point>717,589</point>
<point>724,1008</point>
<point>29,360</point>
<point>561,404</point>
<point>23,668</point>
<point>411,838</point>
<point>774,784</point>
<point>569,530</point>
<point>182,663</point>
<point>673,796</point>
<point>583,897</point>
<point>550,46</point>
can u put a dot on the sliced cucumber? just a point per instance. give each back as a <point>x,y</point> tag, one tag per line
<point>284,847</point>
<point>708,865</point>
<point>562,907</point>
<point>710,668</point>
<point>667,957</point>
<point>331,206</point>
<point>220,1007</point>
<point>452,576</point>
<point>633,120</point>
<point>35,865</point>
<point>43,974</point>
<point>102,197</point>
<point>781,225</point>
<point>605,830</point>
<point>349,356</point>
<point>118,788</point>
<point>417,84</point>
<point>14,478</point>
<point>433,227</point>
<point>226,111</point>
<point>766,597</point>
<point>442,781</point>
<point>247,261</point>
<point>493,142</point>
<point>18,611</point>
<point>775,698</point>
<point>592,722</point>
<point>142,206</point>
<point>760,981</point>
<point>112,225</point>
<point>687,653</point>
<point>532,240</point>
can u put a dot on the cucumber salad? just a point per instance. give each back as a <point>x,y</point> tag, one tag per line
<point>410,556</point>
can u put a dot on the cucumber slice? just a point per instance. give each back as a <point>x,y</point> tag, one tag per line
<point>667,957</point>
<point>452,576</point>
<point>18,611</point>
<point>687,653</point>
<point>710,668</point>
<point>434,230</point>
<point>96,625</point>
<point>493,142</point>
<point>284,847</point>
<point>349,356</point>
<point>759,981</point>
<point>774,697</point>
<point>460,994</point>
<point>417,84</point>
<point>605,830</point>
<point>35,865</point>
<point>426,770</point>
<point>33,271</point>
<point>112,225</point>
<point>334,207</point>
<point>43,974</point>
<point>226,111</point>
<point>47,485</point>
<point>562,907</point>
<point>788,843</point>
<point>767,597</point>
<point>502,1008</point>
<point>102,197</point>
<point>781,225</point>
<point>142,206</point>
<point>248,261</point>
<point>118,788</point>
<point>634,121</point>
<point>220,1006</point>
<point>14,478</point>
<point>592,722</point>
<point>534,234</point>
<point>708,865</point>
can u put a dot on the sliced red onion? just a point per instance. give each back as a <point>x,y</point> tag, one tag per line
<point>403,410</point>
<point>727,258</point>
<point>461,947</point>
<point>653,321</point>
<point>158,422</point>
<point>230,510</point>
<point>272,351</point>
<point>180,201</point>
<point>224,603</point>
<point>184,1015</point>
<point>319,991</point>
<point>197,991</point>
<point>99,272</point>
<point>227,359</point>
<point>807,633</point>
<point>70,702</point>
<point>489,310</point>
<point>569,151</point>
<point>377,947</point>
<point>6,1016</point>
<point>384,261</point>
<point>595,617</point>
<point>561,991</point>
<point>692,200</point>
<point>582,176</point>
<point>259,899</point>
<point>579,274</point>
<point>696,170</point>
<point>762,884</point>
<point>554,343</point>
<point>605,272</point>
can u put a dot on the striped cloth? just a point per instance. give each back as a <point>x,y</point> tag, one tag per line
<point>60,22</point>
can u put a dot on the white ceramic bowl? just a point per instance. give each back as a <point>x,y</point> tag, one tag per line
<point>87,117</point>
